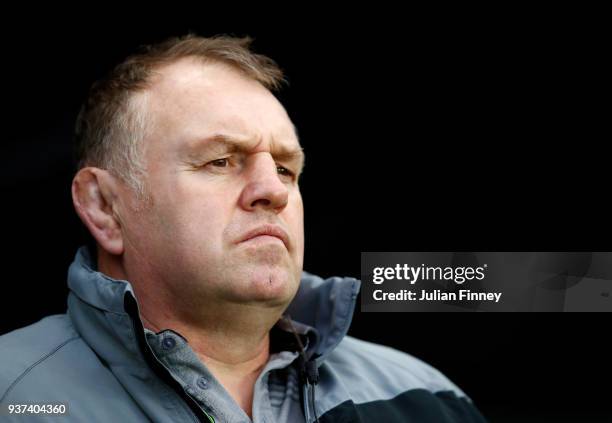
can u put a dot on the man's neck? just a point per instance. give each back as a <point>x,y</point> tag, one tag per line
<point>235,346</point>
<point>238,377</point>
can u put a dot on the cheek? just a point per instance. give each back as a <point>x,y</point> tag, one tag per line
<point>295,219</point>
<point>192,217</point>
<point>202,219</point>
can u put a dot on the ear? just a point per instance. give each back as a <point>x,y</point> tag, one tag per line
<point>95,198</point>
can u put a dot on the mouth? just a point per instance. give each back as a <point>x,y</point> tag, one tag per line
<point>266,231</point>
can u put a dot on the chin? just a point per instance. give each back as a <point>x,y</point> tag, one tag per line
<point>272,285</point>
<point>263,273</point>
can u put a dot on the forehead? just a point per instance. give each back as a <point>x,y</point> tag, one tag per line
<point>190,100</point>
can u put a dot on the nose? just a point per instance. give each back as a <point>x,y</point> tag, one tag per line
<point>264,188</point>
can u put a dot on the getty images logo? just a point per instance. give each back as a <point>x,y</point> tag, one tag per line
<point>413,274</point>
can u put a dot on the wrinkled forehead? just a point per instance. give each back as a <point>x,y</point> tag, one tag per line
<point>190,100</point>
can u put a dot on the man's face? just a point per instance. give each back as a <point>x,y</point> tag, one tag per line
<point>226,215</point>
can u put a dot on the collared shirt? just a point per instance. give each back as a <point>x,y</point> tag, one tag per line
<point>279,398</point>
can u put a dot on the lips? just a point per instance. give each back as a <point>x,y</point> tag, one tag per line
<point>269,230</point>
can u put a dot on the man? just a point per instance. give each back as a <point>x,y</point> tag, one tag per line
<point>194,306</point>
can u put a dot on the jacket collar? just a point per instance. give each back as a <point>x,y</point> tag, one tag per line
<point>322,308</point>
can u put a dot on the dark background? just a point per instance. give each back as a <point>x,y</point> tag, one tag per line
<point>429,133</point>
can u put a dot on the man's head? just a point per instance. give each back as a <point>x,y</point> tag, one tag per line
<point>188,175</point>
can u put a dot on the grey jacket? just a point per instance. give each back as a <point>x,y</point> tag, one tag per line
<point>99,362</point>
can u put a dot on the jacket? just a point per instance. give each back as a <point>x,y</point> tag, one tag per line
<point>97,363</point>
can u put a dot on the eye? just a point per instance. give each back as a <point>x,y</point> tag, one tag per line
<point>220,162</point>
<point>284,171</point>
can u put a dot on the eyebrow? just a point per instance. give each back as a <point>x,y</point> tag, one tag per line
<point>223,143</point>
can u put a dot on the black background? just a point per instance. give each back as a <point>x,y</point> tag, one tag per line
<point>425,133</point>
